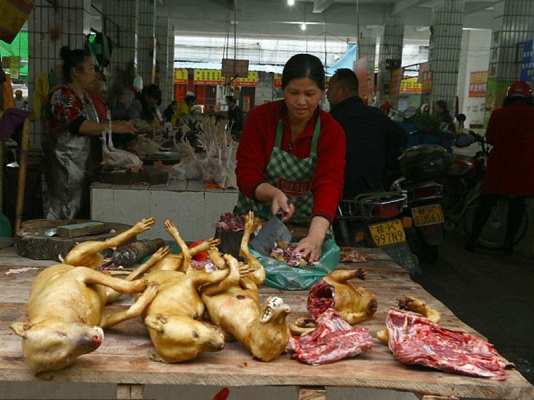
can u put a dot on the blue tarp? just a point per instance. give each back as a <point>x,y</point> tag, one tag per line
<point>346,60</point>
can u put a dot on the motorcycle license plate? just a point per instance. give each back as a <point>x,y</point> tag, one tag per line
<point>389,232</point>
<point>427,215</point>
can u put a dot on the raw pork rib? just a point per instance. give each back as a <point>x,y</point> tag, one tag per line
<point>332,340</point>
<point>413,339</point>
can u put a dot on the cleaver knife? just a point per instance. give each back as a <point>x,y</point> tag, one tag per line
<point>272,232</point>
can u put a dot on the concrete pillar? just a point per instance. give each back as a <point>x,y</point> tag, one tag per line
<point>165,57</point>
<point>444,52</point>
<point>367,48</point>
<point>146,49</point>
<point>120,24</point>
<point>51,28</point>
<point>391,45</point>
<point>513,23</point>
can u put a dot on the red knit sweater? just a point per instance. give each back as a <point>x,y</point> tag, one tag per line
<point>257,142</point>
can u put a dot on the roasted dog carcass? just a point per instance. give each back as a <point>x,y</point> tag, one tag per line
<point>354,304</point>
<point>234,304</point>
<point>87,254</point>
<point>174,319</point>
<point>66,311</point>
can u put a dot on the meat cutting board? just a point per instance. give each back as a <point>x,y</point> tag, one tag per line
<point>31,241</point>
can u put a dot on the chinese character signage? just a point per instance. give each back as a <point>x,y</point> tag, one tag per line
<point>478,83</point>
<point>215,77</point>
<point>180,76</point>
<point>411,85</point>
<point>250,80</point>
<point>527,63</point>
<point>208,77</point>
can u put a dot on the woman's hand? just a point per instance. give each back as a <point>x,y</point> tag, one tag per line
<point>266,192</point>
<point>311,245</point>
<point>281,202</point>
<point>122,127</point>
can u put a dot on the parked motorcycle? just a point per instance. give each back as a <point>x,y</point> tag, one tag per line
<point>462,190</point>
<point>423,168</point>
<point>373,220</point>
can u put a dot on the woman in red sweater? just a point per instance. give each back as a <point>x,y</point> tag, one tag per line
<point>510,170</point>
<point>291,149</point>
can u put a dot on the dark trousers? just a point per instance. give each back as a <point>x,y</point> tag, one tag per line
<point>513,219</point>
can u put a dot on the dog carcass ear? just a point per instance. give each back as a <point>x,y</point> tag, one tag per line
<point>21,328</point>
<point>156,322</point>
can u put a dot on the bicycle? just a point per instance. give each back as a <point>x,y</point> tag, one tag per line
<point>462,190</point>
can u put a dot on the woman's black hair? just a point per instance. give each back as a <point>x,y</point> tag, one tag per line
<point>442,104</point>
<point>304,66</point>
<point>152,91</point>
<point>72,58</point>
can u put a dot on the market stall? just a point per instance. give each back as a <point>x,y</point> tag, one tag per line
<point>190,202</point>
<point>122,359</point>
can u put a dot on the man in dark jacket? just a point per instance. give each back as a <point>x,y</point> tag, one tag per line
<point>372,138</point>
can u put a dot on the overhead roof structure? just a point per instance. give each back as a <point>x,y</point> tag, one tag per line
<point>335,18</point>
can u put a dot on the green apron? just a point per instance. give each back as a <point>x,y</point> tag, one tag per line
<point>289,174</point>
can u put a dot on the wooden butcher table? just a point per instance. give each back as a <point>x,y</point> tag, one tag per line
<point>123,357</point>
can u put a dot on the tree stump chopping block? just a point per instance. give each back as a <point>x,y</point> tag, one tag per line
<point>32,242</point>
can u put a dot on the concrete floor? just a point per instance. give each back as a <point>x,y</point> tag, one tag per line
<point>492,293</point>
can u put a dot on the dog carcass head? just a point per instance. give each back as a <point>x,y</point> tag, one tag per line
<point>53,345</point>
<point>179,338</point>
<point>271,334</point>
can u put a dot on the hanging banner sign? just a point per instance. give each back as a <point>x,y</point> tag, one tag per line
<point>208,77</point>
<point>277,83</point>
<point>250,80</point>
<point>424,68</point>
<point>411,85</point>
<point>14,67</point>
<point>14,14</point>
<point>478,83</point>
<point>360,69</point>
<point>426,80</point>
<point>180,76</point>
<point>527,63</point>
<point>394,83</point>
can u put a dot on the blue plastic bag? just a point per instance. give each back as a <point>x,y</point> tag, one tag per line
<point>281,276</point>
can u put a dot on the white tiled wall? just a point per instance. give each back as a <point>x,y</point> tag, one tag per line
<point>192,208</point>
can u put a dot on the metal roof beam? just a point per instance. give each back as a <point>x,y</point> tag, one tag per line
<point>320,5</point>
<point>405,4</point>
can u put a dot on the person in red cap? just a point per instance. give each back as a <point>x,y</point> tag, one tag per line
<point>510,169</point>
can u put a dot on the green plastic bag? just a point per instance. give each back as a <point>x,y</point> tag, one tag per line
<point>281,276</point>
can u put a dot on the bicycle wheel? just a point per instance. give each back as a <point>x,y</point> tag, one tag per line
<point>454,193</point>
<point>494,231</point>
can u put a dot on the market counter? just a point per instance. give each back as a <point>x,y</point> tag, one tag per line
<point>192,207</point>
<point>123,359</point>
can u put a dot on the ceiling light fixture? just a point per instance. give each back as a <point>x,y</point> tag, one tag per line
<point>290,2</point>
<point>303,26</point>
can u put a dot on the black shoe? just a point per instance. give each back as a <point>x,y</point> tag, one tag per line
<point>470,245</point>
